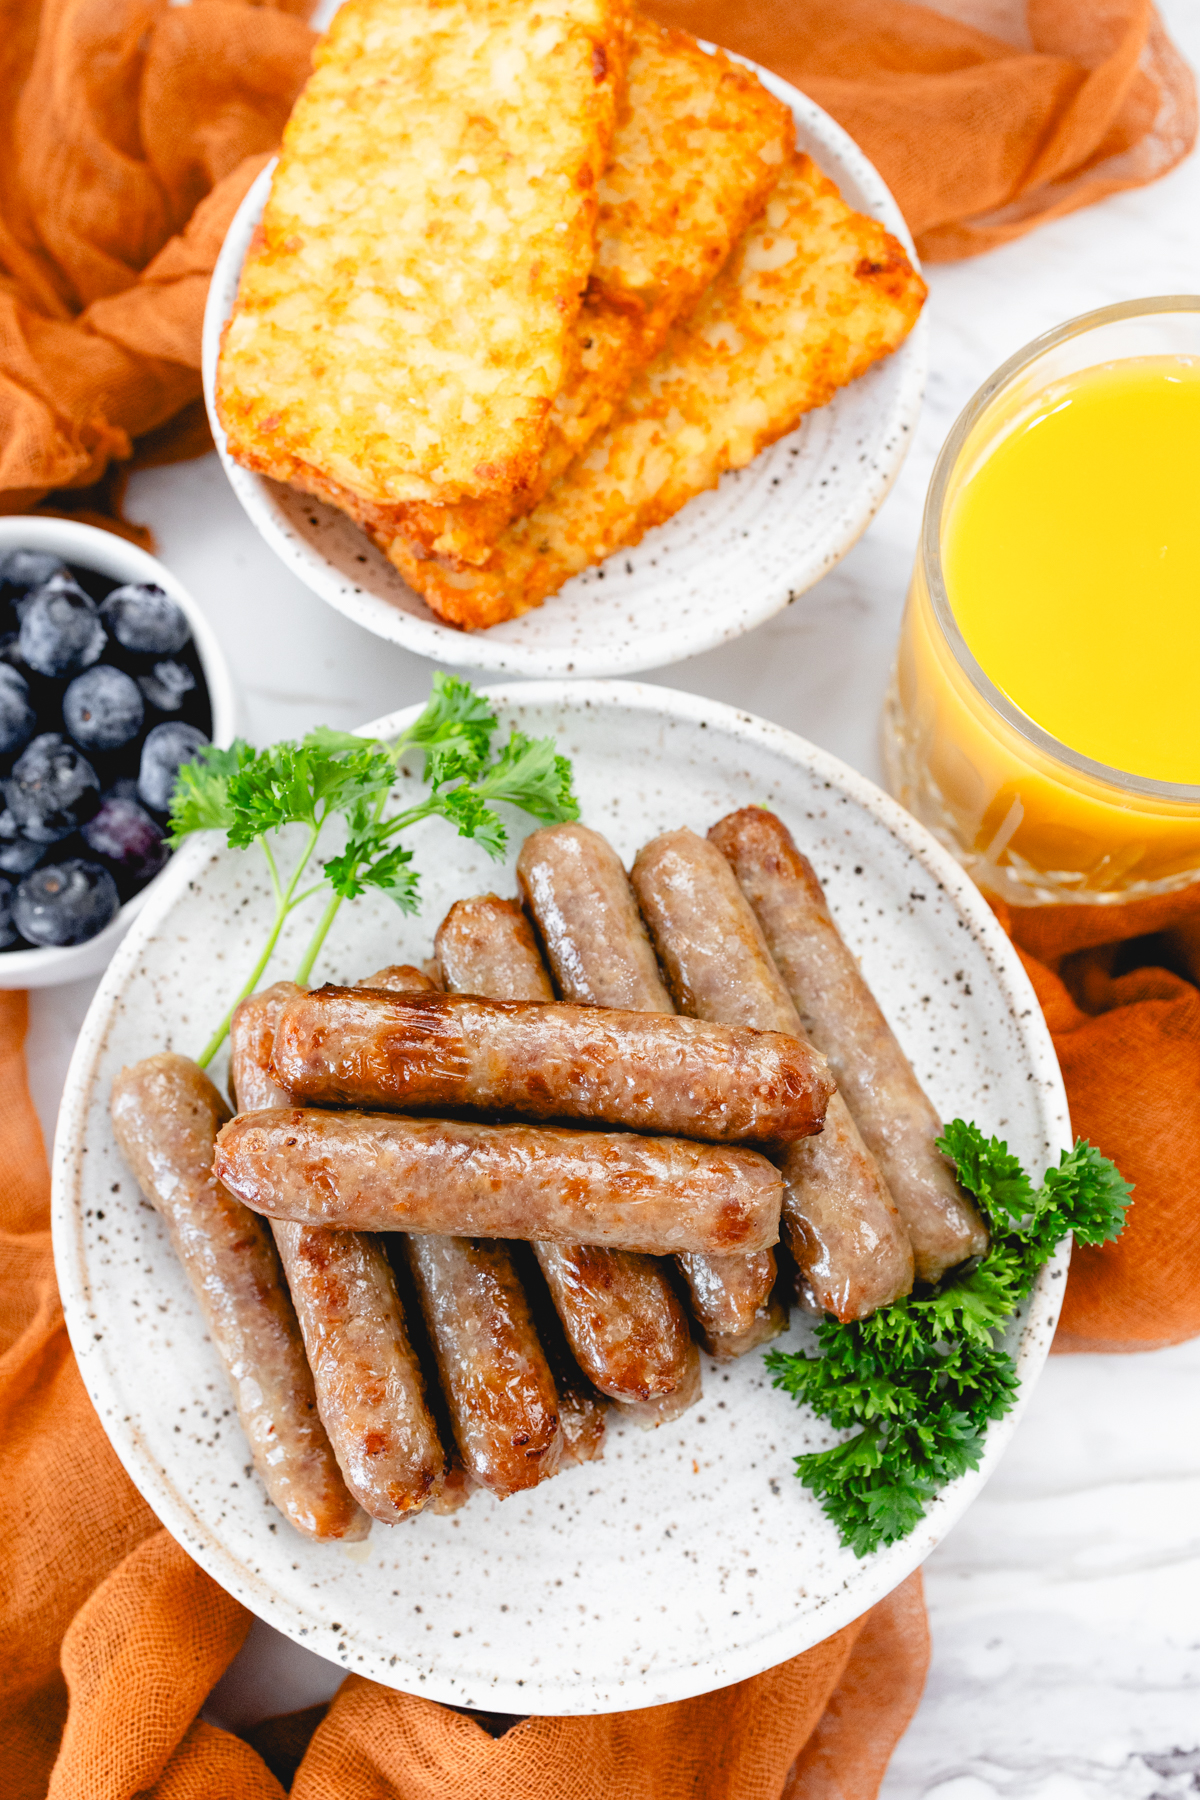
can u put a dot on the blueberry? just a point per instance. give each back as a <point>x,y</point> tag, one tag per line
<point>167,685</point>
<point>10,649</point>
<point>125,835</point>
<point>9,934</point>
<point>60,631</point>
<point>52,790</point>
<point>17,855</point>
<point>65,903</point>
<point>144,619</point>
<point>24,569</point>
<point>164,749</point>
<point>18,720</point>
<point>102,708</point>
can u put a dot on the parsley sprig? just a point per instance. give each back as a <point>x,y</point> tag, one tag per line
<point>923,1378</point>
<point>252,795</point>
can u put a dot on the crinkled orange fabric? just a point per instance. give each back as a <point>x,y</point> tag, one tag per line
<point>130,129</point>
<point>113,1637</point>
<point>129,132</point>
<point>986,122</point>
<point>1119,988</point>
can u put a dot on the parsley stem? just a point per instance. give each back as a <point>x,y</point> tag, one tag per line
<point>317,939</point>
<point>325,922</point>
<point>283,905</point>
<point>272,868</point>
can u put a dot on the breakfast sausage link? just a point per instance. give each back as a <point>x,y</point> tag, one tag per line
<point>166,1114</point>
<point>622,1317</point>
<point>582,1410</point>
<point>372,1172</point>
<point>839,1221</point>
<point>369,1387</point>
<point>494,1375</point>
<point>486,946</point>
<point>517,1414</point>
<point>897,1121</point>
<point>662,1409</point>
<point>400,978</point>
<point>431,1052</point>
<point>579,894</point>
<point>596,941</point>
<point>457,1486</point>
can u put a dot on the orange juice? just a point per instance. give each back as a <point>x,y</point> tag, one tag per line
<point>1044,718</point>
<point>1072,564</point>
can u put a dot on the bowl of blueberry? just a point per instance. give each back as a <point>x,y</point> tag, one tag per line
<point>110,678</point>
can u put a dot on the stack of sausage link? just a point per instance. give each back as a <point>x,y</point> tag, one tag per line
<point>439,1285</point>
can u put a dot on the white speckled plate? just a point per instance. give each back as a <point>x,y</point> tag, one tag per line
<point>728,561</point>
<point>689,1557</point>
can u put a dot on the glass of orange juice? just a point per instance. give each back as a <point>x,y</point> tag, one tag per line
<point>1044,713</point>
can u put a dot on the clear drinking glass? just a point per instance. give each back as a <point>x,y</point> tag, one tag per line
<point>1032,820</point>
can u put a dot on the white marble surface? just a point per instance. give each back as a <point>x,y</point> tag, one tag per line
<point>1066,1606</point>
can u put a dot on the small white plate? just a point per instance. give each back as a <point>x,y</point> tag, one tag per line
<point>729,560</point>
<point>689,1557</point>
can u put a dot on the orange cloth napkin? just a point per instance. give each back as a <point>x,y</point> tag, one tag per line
<point>130,130</point>
<point>1118,986</point>
<point>113,1637</point>
<point>979,133</point>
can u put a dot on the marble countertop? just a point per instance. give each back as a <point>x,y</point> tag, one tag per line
<point>1066,1606</point>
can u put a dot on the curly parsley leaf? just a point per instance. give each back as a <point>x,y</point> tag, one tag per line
<point>456,728</point>
<point>919,1382</point>
<point>200,801</point>
<point>252,795</point>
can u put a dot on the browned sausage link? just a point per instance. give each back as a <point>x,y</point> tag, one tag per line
<point>371,1172</point>
<point>621,1315</point>
<point>581,900</point>
<point>661,1409</point>
<point>166,1113</point>
<point>584,907</point>
<point>581,1409</point>
<point>400,978</point>
<point>897,1121</point>
<point>839,1220</point>
<point>486,946</point>
<point>737,1306</point>
<point>251,1039</point>
<point>457,1329</point>
<point>456,1487</point>
<point>494,1374</point>
<point>429,1052</point>
<point>369,1387</point>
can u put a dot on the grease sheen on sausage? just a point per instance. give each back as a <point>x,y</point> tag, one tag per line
<point>578,891</point>
<point>166,1114</point>
<point>430,1052</point>
<point>494,1375</point>
<point>843,1018</point>
<point>369,1387</point>
<point>375,1172</point>
<point>457,1486</point>
<point>622,1317</point>
<point>839,1220</point>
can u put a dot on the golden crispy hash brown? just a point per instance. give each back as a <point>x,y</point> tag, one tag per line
<point>402,322</point>
<point>812,296</point>
<point>699,143</point>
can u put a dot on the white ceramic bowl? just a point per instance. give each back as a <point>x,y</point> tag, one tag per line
<point>122,561</point>
<point>689,1557</point>
<point>729,560</point>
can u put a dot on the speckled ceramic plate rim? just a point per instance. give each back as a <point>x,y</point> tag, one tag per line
<point>874,1576</point>
<point>644,650</point>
